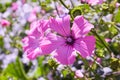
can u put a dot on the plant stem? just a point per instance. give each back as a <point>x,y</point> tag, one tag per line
<point>101,40</point>
<point>21,69</point>
<point>56,9</point>
<point>116,73</point>
<point>64,4</point>
<point>72,3</point>
<point>39,2</point>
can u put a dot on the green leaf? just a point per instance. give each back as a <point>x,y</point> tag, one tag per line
<point>48,1</point>
<point>98,44</point>
<point>42,69</point>
<point>117,16</point>
<point>65,72</point>
<point>15,69</point>
<point>115,63</point>
<point>3,78</point>
<point>113,31</point>
<point>8,4</point>
<point>34,0</point>
<point>115,47</point>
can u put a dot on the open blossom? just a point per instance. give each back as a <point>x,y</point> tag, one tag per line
<point>64,40</point>
<point>4,22</point>
<point>93,2</point>
<point>70,39</point>
<point>34,39</point>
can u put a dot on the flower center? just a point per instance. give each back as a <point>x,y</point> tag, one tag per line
<point>70,40</point>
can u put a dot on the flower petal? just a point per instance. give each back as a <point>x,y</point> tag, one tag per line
<point>37,28</point>
<point>79,74</point>
<point>65,55</point>
<point>32,17</point>
<point>95,2</point>
<point>90,42</point>
<point>34,53</point>
<point>51,43</point>
<point>61,25</point>
<point>31,47</point>
<point>80,26</point>
<point>85,46</point>
<point>81,47</point>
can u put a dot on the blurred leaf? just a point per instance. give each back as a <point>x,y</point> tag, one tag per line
<point>42,69</point>
<point>14,70</point>
<point>1,42</point>
<point>98,44</point>
<point>3,77</point>
<point>115,64</point>
<point>48,1</point>
<point>65,72</point>
<point>117,17</point>
<point>113,31</point>
<point>7,4</point>
<point>101,45</point>
<point>39,71</point>
<point>34,0</point>
<point>115,47</point>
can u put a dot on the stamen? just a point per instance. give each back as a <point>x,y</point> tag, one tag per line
<point>70,40</point>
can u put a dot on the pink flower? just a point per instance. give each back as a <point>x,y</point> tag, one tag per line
<point>32,17</point>
<point>108,40</point>
<point>117,5</point>
<point>23,1</point>
<point>34,39</point>
<point>14,6</point>
<point>4,23</point>
<point>62,39</point>
<point>36,9</point>
<point>93,2</point>
<point>70,39</point>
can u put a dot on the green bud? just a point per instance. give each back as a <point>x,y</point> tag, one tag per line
<point>75,12</point>
<point>100,53</point>
<point>105,6</point>
<point>52,63</point>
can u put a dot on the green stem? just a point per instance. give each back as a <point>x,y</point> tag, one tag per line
<point>64,4</point>
<point>101,40</point>
<point>21,69</point>
<point>112,23</point>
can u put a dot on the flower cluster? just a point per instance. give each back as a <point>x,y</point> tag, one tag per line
<point>61,38</point>
<point>93,2</point>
